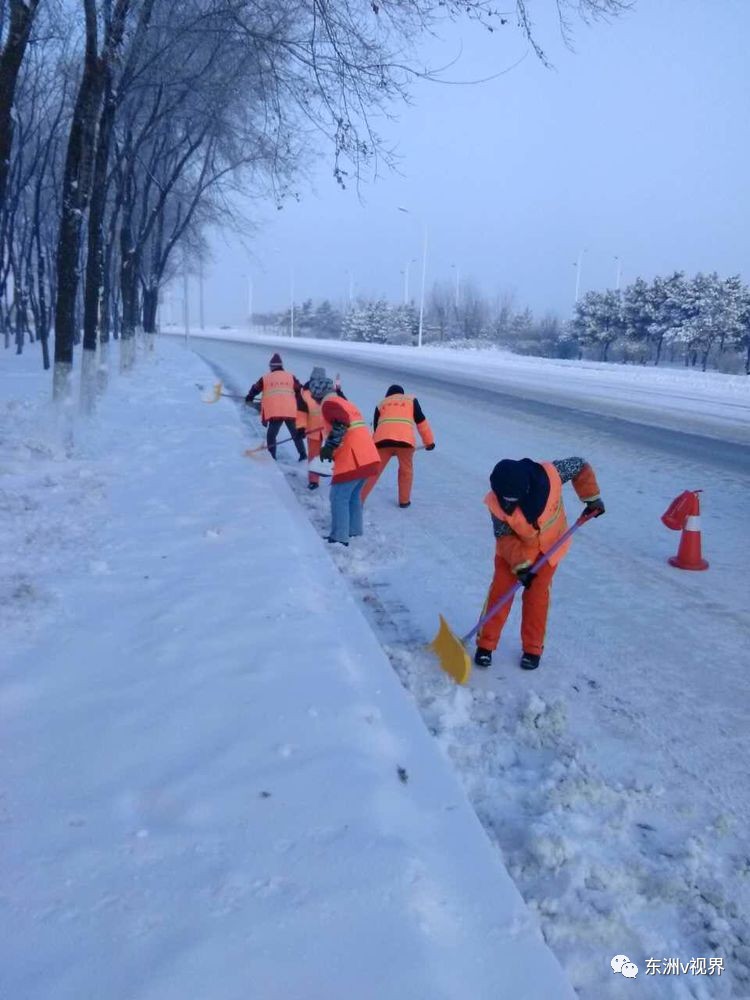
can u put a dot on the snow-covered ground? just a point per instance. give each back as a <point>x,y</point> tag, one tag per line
<point>213,785</point>
<point>614,781</point>
<point>681,399</point>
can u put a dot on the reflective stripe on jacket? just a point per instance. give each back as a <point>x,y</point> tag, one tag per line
<point>279,401</point>
<point>314,415</point>
<point>523,546</point>
<point>356,456</point>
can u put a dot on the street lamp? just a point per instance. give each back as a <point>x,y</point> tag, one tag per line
<point>250,302</point>
<point>405,273</point>
<point>200,288</point>
<point>424,275</point>
<point>350,286</point>
<point>291,288</point>
<point>458,279</point>
<point>185,301</point>
<point>619,272</point>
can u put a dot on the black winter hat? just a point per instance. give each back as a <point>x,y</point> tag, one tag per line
<point>395,390</point>
<point>276,363</point>
<point>524,481</point>
<point>511,479</point>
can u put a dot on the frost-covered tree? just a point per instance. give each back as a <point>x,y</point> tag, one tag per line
<point>404,324</point>
<point>742,326</point>
<point>713,307</point>
<point>327,321</point>
<point>599,320</point>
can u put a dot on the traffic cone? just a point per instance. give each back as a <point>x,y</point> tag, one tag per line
<point>685,513</point>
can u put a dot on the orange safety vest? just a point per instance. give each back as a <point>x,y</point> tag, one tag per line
<point>314,416</point>
<point>530,541</point>
<point>357,449</point>
<point>396,421</point>
<point>278,402</point>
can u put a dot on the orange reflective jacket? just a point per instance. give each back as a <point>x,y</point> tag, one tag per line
<point>279,401</point>
<point>357,450</point>
<point>314,415</point>
<point>396,421</point>
<point>523,547</point>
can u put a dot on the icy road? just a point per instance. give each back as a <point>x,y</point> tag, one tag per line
<point>615,779</point>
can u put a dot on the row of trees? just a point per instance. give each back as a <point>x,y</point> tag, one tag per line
<point>699,321</point>
<point>127,127</point>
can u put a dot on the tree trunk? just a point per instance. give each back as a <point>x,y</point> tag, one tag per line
<point>659,344</point>
<point>150,305</point>
<point>22,14</point>
<point>76,185</point>
<point>92,308</point>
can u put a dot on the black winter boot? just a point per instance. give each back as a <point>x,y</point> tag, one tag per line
<point>335,541</point>
<point>407,504</point>
<point>483,657</point>
<point>312,486</point>
<point>530,661</point>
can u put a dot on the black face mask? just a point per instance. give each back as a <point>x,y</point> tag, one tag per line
<point>508,506</point>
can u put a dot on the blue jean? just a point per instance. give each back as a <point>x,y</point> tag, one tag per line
<point>346,509</point>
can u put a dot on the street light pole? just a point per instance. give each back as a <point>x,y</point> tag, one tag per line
<point>424,275</point>
<point>421,297</point>
<point>200,297</point>
<point>185,304</point>
<point>458,279</point>
<point>619,272</point>
<point>291,328</point>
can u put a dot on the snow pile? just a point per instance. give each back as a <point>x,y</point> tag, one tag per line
<point>214,785</point>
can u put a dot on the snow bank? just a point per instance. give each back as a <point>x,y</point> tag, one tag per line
<point>709,403</point>
<point>214,785</point>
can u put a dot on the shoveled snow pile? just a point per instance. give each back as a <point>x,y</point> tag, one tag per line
<point>214,785</point>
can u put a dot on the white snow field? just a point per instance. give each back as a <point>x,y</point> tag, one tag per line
<point>614,781</point>
<point>213,784</point>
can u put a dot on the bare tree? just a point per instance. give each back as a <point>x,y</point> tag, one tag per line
<point>20,23</point>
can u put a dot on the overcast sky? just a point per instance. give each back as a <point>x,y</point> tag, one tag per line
<point>635,145</point>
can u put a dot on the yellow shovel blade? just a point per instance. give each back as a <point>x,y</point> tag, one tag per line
<point>254,452</point>
<point>451,652</point>
<point>217,394</point>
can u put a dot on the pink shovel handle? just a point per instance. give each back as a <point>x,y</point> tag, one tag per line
<point>544,558</point>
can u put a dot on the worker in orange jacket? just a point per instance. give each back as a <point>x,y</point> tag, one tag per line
<point>310,416</point>
<point>528,517</point>
<point>395,418</point>
<point>278,405</point>
<point>350,446</point>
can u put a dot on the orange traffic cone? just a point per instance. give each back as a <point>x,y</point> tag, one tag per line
<point>685,513</point>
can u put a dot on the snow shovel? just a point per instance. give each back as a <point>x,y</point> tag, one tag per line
<point>217,394</point>
<point>450,650</point>
<point>252,452</point>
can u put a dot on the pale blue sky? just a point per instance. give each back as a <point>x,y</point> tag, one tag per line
<point>635,145</point>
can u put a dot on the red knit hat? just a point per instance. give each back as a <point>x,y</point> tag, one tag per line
<point>276,362</point>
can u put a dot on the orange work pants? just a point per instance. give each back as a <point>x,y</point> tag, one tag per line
<point>534,611</point>
<point>314,444</point>
<point>405,458</point>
